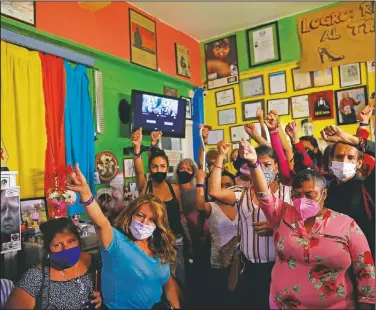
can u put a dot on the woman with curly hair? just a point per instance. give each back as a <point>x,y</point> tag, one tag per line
<point>137,253</point>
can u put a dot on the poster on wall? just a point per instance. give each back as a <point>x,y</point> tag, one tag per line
<point>322,105</point>
<point>10,220</point>
<point>331,37</point>
<point>221,59</point>
<point>34,211</point>
<point>350,75</point>
<point>263,44</point>
<point>300,106</point>
<point>371,66</point>
<point>143,40</point>
<point>350,102</point>
<point>20,11</point>
<point>183,60</point>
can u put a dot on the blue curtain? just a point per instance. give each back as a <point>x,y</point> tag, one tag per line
<point>198,118</point>
<point>79,126</point>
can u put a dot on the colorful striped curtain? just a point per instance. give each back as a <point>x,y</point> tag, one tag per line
<point>23,127</point>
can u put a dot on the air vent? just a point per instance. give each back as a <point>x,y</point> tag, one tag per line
<point>99,101</point>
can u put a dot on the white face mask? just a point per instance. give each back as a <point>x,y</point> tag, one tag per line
<point>342,171</point>
<point>141,231</point>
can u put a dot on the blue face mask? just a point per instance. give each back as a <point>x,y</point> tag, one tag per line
<point>66,258</point>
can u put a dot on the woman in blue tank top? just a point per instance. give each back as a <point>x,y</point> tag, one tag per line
<point>137,253</point>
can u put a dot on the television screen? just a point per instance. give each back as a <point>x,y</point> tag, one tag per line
<point>155,112</point>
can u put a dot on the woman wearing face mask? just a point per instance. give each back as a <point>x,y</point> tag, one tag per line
<point>349,193</point>
<point>65,279</point>
<point>137,253</point>
<point>165,191</point>
<point>317,248</point>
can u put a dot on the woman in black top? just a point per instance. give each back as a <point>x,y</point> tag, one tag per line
<point>161,188</point>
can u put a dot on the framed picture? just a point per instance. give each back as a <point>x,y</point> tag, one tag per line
<point>280,105</point>
<point>277,83</point>
<point>221,60</point>
<point>263,44</point>
<point>300,106</point>
<point>322,105</point>
<point>322,77</point>
<point>215,136</point>
<point>24,12</point>
<point>188,107</point>
<point>237,133</point>
<point>224,97</point>
<point>169,91</point>
<point>252,87</point>
<point>370,66</point>
<point>235,146</point>
<point>350,75</point>
<point>183,60</point>
<point>301,80</point>
<point>250,108</point>
<point>143,40</point>
<point>350,102</point>
<point>34,211</point>
<point>10,220</point>
<point>128,168</point>
<point>226,117</point>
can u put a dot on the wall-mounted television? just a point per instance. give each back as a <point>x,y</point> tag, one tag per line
<point>155,112</point>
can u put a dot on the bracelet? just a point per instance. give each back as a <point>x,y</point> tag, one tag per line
<point>255,165</point>
<point>364,124</point>
<point>217,167</point>
<point>200,185</point>
<point>137,155</point>
<point>89,202</point>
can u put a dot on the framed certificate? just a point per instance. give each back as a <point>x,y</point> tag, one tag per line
<point>301,80</point>
<point>280,105</point>
<point>224,97</point>
<point>250,108</point>
<point>252,87</point>
<point>263,44</point>
<point>215,136</point>
<point>350,75</point>
<point>226,117</point>
<point>24,12</point>
<point>300,106</point>
<point>277,83</point>
<point>237,133</point>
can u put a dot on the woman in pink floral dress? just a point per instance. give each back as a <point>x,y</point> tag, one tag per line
<point>318,249</point>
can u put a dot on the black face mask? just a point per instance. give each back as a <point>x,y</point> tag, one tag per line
<point>184,177</point>
<point>238,163</point>
<point>312,154</point>
<point>159,177</point>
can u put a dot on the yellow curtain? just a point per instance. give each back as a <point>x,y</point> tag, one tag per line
<point>23,128</point>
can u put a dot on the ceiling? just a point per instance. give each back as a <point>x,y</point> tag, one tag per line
<point>205,20</point>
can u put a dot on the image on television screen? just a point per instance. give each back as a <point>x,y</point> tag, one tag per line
<point>155,112</point>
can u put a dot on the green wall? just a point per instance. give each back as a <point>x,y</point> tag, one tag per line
<point>119,78</point>
<point>288,40</point>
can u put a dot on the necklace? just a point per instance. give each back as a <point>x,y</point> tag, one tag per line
<point>77,280</point>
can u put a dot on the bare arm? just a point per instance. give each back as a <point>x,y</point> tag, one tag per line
<point>171,290</point>
<point>136,139</point>
<point>77,183</point>
<point>20,299</point>
<point>286,147</point>
<point>215,190</point>
<point>251,130</point>
<point>201,205</point>
<point>260,116</point>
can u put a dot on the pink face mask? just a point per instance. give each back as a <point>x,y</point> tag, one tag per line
<point>306,208</point>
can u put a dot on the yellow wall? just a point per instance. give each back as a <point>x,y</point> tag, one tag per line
<point>211,110</point>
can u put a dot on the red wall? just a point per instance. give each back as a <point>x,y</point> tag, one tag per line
<point>107,30</point>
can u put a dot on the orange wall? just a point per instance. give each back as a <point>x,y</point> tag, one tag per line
<point>107,30</point>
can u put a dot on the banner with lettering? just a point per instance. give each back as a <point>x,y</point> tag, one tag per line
<point>338,35</point>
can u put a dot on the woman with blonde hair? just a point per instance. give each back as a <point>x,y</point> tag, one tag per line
<point>137,253</point>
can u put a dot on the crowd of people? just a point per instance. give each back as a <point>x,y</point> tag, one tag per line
<point>293,229</point>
